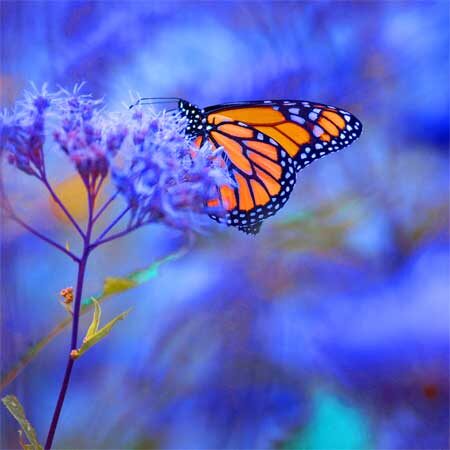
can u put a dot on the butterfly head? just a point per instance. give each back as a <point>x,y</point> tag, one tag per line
<point>196,120</point>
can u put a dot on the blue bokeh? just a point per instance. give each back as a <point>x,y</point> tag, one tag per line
<point>343,296</point>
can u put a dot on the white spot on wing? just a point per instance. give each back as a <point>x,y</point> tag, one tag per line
<point>298,119</point>
<point>317,131</point>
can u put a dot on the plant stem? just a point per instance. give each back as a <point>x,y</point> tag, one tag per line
<point>75,321</point>
<point>62,206</point>
<point>73,346</point>
<point>128,230</point>
<point>43,237</point>
<point>9,213</point>
<point>106,204</point>
<point>112,224</point>
<point>99,186</point>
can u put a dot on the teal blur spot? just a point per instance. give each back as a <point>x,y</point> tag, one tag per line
<point>333,426</point>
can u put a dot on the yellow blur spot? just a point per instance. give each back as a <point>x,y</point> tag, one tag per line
<point>72,194</point>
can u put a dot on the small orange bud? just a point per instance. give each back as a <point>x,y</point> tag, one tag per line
<point>74,354</point>
<point>67,294</point>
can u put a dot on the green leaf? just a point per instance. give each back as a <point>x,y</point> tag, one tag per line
<point>138,277</point>
<point>113,286</point>
<point>144,275</point>
<point>22,442</point>
<point>13,405</point>
<point>93,327</point>
<point>94,335</point>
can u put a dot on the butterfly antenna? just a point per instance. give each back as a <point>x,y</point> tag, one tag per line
<point>154,100</point>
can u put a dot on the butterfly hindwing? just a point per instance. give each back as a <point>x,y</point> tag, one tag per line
<point>251,229</point>
<point>262,171</point>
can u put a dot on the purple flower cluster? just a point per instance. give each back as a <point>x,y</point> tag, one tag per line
<point>22,133</point>
<point>83,136</point>
<point>162,176</point>
<point>159,172</point>
<point>74,122</point>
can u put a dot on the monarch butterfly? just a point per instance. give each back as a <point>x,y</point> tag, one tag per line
<point>264,144</point>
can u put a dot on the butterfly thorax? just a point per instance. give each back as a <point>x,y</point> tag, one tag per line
<point>196,120</point>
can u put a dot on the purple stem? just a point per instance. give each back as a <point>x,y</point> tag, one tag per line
<point>97,189</point>
<point>117,235</point>
<point>110,226</point>
<point>63,208</point>
<point>44,238</point>
<point>76,319</point>
<point>105,205</point>
<point>11,214</point>
<point>73,346</point>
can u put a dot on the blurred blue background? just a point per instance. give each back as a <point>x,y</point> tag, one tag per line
<point>330,328</point>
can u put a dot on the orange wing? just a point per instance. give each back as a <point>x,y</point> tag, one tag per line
<point>263,173</point>
<point>306,130</point>
<point>264,142</point>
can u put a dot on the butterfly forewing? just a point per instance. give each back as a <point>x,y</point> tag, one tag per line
<point>306,130</point>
